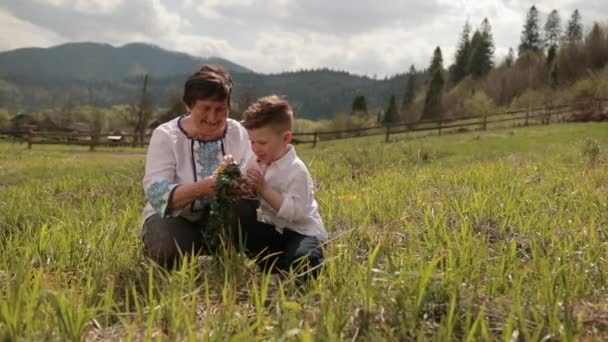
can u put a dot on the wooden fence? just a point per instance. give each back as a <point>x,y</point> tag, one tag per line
<point>530,116</point>
<point>540,115</point>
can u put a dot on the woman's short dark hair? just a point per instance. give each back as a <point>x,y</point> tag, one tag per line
<point>211,82</point>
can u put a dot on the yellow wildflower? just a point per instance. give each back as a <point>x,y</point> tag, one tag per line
<point>220,169</point>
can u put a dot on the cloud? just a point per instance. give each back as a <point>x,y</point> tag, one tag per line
<point>319,16</point>
<point>361,36</point>
<point>16,32</point>
<point>98,19</point>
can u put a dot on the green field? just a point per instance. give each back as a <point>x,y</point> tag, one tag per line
<point>495,235</point>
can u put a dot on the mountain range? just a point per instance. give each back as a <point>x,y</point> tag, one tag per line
<point>103,75</point>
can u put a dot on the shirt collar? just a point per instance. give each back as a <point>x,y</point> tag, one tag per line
<point>286,159</point>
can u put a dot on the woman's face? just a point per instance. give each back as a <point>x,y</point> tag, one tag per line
<point>209,117</point>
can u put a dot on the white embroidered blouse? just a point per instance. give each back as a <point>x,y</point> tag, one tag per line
<point>174,158</point>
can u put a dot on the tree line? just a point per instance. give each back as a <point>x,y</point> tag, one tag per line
<point>554,62</point>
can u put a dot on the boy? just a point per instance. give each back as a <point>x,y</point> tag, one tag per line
<point>288,230</point>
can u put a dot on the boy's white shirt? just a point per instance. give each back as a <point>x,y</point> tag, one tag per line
<point>299,211</point>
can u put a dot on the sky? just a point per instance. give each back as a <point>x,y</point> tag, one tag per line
<point>378,37</point>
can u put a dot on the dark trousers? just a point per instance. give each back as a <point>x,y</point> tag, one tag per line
<point>276,250</point>
<point>166,239</point>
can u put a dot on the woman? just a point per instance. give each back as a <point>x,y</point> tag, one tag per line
<point>182,157</point>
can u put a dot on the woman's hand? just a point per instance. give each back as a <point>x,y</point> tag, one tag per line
<point>227,160</point>
<point>186,193</point>
<point>206,186</point>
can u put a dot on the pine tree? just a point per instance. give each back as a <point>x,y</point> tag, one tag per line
<point>553,31</point>
<point>436,62</point>
<point>432,102</point>
<point>554,76</point>
<point>597,50</point>
<point>482,51</point>
<point>459,69</point>
<point>510,58</point>
<point>359,105</point>
<point>551,54</point>
<point>410,89</point>
<point>574,29</point>
<point>391,115</point>
<point>530,37</point>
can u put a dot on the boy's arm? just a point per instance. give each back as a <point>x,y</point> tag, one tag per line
<point>298,197</point>
<point>294,203</point>
<point>273,198</point>
<point>256,180</point>
<point>291,205</point>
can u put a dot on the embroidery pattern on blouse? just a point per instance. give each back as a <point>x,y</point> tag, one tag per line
<point>207,161</point>
<point>207,158</point>
<point>158,195</point>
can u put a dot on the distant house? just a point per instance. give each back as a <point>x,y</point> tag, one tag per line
<point>21,122</point>
<point>81,131</point>
<point>48,125</point>
<point>115,138</point>
<point>79,127</point>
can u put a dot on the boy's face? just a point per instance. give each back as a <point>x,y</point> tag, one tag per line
<point>268,144</point>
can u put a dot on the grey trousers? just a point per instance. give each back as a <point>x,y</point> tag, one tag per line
<point>165,240</point>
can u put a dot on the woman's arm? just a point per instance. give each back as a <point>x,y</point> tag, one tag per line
<point>166,196</point>
<point>186,193</point>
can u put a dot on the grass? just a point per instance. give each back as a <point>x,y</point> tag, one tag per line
<point>494,235</point>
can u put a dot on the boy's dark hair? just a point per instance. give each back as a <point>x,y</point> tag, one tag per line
<point>211,82</point>
<point>271,110</point>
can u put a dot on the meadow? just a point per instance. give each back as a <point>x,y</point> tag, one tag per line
<point>493,235</point>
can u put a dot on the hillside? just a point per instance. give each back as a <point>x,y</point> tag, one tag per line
<point>101,62</point>
<point>99,74</point>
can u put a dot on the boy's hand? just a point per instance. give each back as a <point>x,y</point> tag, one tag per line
<point>255,180</point>
<point>241,188</point>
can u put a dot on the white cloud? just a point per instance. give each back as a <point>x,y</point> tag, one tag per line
<point>55,3</point>
<point>96,6</point>
<point>367,37</point>
<point>201,46</point>
<point>17,33</point>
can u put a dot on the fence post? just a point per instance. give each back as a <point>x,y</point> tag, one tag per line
<point>94,138</point>
<point>527,116</point>
<point>485,121</point>
<point>548,115</point>
<point>30,139</point>
<point>388,128</point>
<point>314,141</point>
<point>440,124</point>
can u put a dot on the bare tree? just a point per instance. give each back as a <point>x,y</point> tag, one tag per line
<point>142,113</point>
